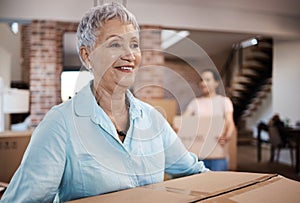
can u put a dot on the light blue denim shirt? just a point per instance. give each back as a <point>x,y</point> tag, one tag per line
<point>75,152</point>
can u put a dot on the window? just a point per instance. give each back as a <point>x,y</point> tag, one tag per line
<point>72,82</point>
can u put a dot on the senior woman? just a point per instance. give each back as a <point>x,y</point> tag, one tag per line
<point>103,139</point>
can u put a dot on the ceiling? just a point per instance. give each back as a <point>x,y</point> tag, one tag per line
<point>280,7</point>
<point>217,44</point>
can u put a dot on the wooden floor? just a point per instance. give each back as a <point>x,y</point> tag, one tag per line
<point>247,162</point>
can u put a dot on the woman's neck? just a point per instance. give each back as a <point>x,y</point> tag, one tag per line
<point>210,94</point>
<point>111,101</point>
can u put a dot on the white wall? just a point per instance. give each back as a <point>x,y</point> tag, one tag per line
<point>11,44</point>
<point>208,15</point>
<point>10,59</point>
<point>5,61</point>
<point>286,79</point>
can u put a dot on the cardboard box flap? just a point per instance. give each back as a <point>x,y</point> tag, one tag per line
<point>214,182</point>
<point>276,190</point>
<point>211,184</point>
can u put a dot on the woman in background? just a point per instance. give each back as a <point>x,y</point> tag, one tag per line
<point>213,105</point>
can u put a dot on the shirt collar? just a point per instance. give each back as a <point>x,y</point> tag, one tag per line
<point>84,101</point>
<point>135,109</point>
<point>85,104</point>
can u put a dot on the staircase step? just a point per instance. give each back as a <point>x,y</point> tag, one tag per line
<point>255,66</point>
<point>239,87</point>
<point>261,59</point>
<point>263,47</point>
<point>237,94</point>
<point>251,73</point>
<point>243,80</point>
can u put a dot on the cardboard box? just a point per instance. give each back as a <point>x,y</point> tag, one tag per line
<point>200,136</point>
<point>222,187</point>
<point>167,107</point>
<point>12,148</point>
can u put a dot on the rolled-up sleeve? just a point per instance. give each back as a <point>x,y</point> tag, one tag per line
<point>178,160</point>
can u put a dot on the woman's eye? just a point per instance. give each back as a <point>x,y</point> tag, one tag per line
<point>135,45</point>
<point>115,45</point>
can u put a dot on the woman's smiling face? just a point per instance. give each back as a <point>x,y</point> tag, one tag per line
<point>116,55</point>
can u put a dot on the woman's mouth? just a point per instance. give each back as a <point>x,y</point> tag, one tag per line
<point>126,69</point>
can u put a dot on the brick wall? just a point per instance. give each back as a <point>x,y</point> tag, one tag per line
<point>25,52</point>
<point>43,60</point>
<point>149,80</point>
<point>181,82</point>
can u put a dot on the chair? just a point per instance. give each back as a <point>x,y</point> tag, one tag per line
<point>277,144</point>
<point>260,127</point>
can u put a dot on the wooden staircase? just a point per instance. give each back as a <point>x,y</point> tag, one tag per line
<point>252,80</point>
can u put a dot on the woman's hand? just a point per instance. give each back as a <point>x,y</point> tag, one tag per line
<point>223,140</point>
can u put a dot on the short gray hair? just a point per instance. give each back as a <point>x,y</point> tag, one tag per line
<point>93,20</point>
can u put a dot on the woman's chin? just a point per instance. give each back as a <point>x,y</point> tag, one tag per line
<point>126,82</point>
<point>205,93</point>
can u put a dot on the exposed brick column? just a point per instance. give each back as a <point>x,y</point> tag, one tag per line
<point>44,82</point>
<point>25,51</point>
<point>43,57</point>
<point>149,80</point>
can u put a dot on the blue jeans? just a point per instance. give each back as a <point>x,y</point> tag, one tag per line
<point>216,164</point>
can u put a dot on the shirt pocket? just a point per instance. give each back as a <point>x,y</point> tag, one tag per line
<point>97,178</point>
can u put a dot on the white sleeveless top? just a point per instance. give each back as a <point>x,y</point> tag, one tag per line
<point>211,114</point>
<point>210,106</point>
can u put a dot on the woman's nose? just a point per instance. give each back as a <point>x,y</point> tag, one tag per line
<point>203,84</point>
<point>128,55</point>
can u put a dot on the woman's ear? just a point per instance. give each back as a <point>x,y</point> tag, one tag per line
<point>84,54</point>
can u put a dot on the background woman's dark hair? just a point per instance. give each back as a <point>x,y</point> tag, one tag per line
<point>214,72</point>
